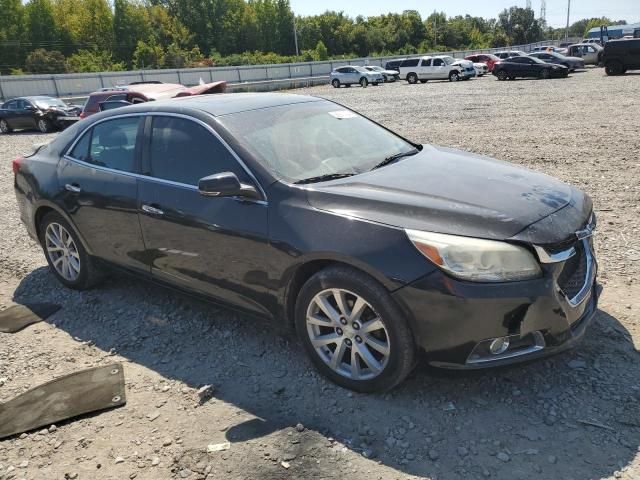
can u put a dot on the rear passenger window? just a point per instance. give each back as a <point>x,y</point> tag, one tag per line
<point>412,62</point>
<point>183,151</point>
<point>110,144</point>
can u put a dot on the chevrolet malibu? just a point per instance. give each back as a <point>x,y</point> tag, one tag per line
<point>372,247</point>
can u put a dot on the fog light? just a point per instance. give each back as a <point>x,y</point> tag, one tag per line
<point>499,345</point>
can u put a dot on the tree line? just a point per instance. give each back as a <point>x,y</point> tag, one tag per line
<point>57,36</point>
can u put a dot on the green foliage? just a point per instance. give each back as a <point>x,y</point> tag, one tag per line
<point>114,34</point>
<point>321,52</point>
<point>45,61</point>
<point>93,61</point>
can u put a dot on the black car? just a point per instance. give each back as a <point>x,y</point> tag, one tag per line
<point>511,53</point>
<point>299,209</point>
<point>393,64</point>
<point>38,112</point>
<point>515,67</point>
<point>621,55</point>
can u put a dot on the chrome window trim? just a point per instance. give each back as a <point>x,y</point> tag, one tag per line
<point>161,180</point>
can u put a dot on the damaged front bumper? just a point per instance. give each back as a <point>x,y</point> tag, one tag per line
<point>467,325</point>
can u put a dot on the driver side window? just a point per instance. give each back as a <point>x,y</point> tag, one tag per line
<point>438,62</point>
<point>183,151</point>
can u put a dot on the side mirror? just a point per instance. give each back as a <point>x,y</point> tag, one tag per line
<point>226,184</point>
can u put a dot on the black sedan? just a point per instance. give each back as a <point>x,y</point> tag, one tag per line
<point>515,67</point>
<point>38,112</point>
<point>299,209</point>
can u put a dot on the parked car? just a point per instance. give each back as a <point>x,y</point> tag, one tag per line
<point>393,64</point>
<point>440,67</point>
<point>621,55</point>
<point>326,221</point>
<point>388,75</point>
<point>572,63</point>
<point>140,92</point>
<point>354,75</point>
<point>511,53</point>
<point>515,67</point>
<point>481,69</point>
<point>591,53</point>
<point>38,112</point>
<point>487,58</point>
<point>591,41</point>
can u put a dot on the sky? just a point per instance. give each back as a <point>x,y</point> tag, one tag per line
<point>556,9</point>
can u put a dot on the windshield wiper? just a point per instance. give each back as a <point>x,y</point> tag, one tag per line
<point>395,157</point>
<point>324,178</point>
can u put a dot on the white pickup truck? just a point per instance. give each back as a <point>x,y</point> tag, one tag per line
<point>440,67</point>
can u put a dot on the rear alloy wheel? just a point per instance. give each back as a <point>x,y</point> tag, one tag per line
<point>502,75</point>
<point>544,73</point>
<point>353,330</point>
<point>614,68</point>
<point>336,83</point>
<point>66,256</point>
<point>44,125</point>
<point>4,127</point>
<point>364,82</point>
<point>412,78</point>
<point>454,77</point>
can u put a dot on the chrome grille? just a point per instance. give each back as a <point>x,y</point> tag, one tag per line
<point>574,273</point>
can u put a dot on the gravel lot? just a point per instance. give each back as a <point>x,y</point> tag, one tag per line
<point>282,420</point>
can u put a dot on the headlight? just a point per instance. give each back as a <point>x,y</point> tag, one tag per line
<point>476,259</point>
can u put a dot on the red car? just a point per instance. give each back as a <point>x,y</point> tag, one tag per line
<point>141,92</point>
<point>486,58</point>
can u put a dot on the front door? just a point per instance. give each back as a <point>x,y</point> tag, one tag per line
<point>214,245</point>
<point>98,188</point>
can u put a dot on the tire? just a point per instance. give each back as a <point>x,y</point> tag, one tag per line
<point>544,73</point>
<point>613,68</point>
<point>4,127</point>
<point>81,272</point>
<point>364,82</point>
<point>502,75</point>
<point>412,78</point>
<point>336,83</point>
<point>44,125</point>
<point>423,81</point>
<point>454,77</point>
<point>391,333</point>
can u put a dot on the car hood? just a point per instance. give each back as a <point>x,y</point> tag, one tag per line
<point>449,191</point>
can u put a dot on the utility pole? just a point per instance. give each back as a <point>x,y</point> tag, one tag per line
<point>528,4</point>
<point>566,33</point>
<point>295,34</point>
<point>435,30</point>
<point>543,11</point>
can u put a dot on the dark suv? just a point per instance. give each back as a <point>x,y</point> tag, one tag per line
<point>621,55</point>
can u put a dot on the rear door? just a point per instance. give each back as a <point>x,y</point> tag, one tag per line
<point>11,114</point>
<point>98,187</point>
<point>214,245</point>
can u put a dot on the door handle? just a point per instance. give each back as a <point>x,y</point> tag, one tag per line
<point>73,188</point>
<point>152,210</point>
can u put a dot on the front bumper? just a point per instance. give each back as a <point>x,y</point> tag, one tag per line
<point>451,318</point>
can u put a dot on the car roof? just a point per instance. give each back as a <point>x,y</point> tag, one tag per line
<point>219,104</point>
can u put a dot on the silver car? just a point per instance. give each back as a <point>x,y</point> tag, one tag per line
<point>572,63</point>
<point>354,75</point>
<point>389,75</point>
<point>591,53</point>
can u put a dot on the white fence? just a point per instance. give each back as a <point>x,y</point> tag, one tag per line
<point>254,77</point>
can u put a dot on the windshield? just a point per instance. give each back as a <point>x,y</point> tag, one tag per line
<point>361,69</point>
<point>377,69</point>
<point>314,139</point>
<point>537,60</point>
<point>448,60</point>
<point>49,102</point>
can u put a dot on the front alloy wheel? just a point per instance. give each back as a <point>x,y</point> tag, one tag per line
<point>502,75</point>
<point>347,334</point>
<point>353,331</point>
<point>43,125</point>
<point>454,77</point>
<point>364,82</point>
<point>335,83</point>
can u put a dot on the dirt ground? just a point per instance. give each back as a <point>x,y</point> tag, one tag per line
<point>573,416</point>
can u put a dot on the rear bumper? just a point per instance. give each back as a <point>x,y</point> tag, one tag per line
<point>450,318</point>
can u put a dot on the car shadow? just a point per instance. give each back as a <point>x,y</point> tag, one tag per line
<point>437,424</point>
